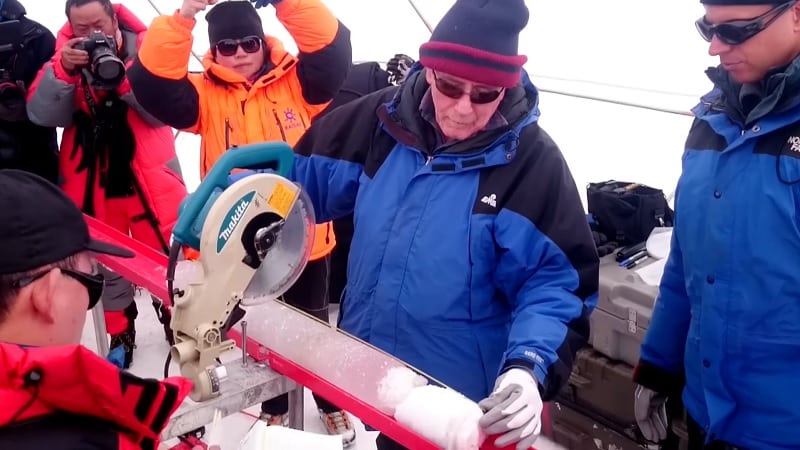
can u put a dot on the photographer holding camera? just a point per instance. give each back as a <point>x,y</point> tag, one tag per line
<point>25,45</point>
<point>118,163</point>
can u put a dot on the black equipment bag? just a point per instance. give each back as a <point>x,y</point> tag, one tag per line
<point>627,212</point>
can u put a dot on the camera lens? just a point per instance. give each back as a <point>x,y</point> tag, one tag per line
<point>109,68</point>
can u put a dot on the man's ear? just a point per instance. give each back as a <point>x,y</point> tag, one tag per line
<point>795,10</point>
<point>43,294</point>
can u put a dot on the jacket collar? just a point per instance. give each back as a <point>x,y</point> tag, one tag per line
<point>39,381</point>
<point>777,92</point>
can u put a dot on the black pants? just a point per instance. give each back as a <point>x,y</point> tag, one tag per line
<point>697,438</point>
<point>310,294</point>
<point>339,256</point>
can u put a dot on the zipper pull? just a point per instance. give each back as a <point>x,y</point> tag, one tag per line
<point>428,161</point>
<point>228,129</point>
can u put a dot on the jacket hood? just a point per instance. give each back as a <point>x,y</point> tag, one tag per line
<point>520,107</point>
<point>36,382</point>
<point>281,62</point>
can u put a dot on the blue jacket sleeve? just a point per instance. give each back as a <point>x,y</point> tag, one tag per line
<point>330,157</point>
<point>548,269</point>
<point>330,183</point>
<point>661,363</point>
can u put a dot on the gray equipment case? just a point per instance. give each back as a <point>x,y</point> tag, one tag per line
<point>623,312</point>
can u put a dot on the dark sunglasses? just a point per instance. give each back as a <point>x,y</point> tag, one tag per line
<point>228,47</point>
<point>454,90</point>
<point>736,32</point>
<point>94,283</point>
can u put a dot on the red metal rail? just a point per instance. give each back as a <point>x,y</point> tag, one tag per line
<point>148,270</point>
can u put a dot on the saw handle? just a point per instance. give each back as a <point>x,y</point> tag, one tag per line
<point>277,156</point>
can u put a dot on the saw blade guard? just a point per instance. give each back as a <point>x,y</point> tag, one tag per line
<point>286,250</point>
<point>275,156</point>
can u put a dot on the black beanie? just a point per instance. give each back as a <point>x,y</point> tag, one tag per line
<point>478,40</point>
<point>233,19</point>
<point>742,2</point>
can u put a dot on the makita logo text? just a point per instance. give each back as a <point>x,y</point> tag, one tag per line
<point>234,220</point>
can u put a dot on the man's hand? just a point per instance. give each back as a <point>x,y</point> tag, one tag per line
<point>263,3</point>
<point>71,57</point>
<point>190,8</point>
<point>514,410</point>
<point>650,410</point>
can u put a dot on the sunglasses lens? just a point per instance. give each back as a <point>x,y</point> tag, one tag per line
<point>251,45</point>
<point>95,293</point>
<point>480,98</point>
<point>704,29</point>
<point>227,47</point>
<point>449,89</point>
<point>735,35</point>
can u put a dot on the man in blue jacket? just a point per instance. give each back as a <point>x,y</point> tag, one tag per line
<point>471,257</point>
<point>726,326</point>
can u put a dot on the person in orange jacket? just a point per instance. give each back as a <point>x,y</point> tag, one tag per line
<point>252,90</point>
<point>117,162</point>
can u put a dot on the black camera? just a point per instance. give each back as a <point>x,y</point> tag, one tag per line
<point>106,68</point>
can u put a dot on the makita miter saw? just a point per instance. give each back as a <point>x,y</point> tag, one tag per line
<point>254,238</point>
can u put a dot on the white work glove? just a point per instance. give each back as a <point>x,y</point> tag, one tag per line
<point>650,410</point>
<point>514,410</point>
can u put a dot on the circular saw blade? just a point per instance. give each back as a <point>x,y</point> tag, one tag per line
<point>287,257</point>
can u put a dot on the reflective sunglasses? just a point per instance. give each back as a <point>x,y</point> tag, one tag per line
<point>94,283</point>
<point>228,47</point>
<point>735,32</point>
<point>456,91</point>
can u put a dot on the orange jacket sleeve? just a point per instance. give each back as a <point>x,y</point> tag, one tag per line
<point>325,52</point>
<point>160,74</point>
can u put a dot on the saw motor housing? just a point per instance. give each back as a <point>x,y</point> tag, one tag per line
<point>244,254</point>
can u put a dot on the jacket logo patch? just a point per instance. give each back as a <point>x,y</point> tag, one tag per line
<point>794,143</point>
<point>291,120</point>
<point>490,200</point>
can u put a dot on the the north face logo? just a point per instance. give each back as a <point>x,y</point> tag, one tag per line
<point>490,200</point>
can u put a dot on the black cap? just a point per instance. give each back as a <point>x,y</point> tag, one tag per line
<point>233,19</point>
<point>40,225</point>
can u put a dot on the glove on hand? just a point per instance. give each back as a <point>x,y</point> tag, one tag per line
<point>650,410</point>
<point>513,409</point>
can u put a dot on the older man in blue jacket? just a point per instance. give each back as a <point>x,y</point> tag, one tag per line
<point>471,257</point>
<point>726,326</point>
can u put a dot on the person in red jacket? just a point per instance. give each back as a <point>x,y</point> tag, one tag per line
<point>55,393</point>
<point>118,163</point>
